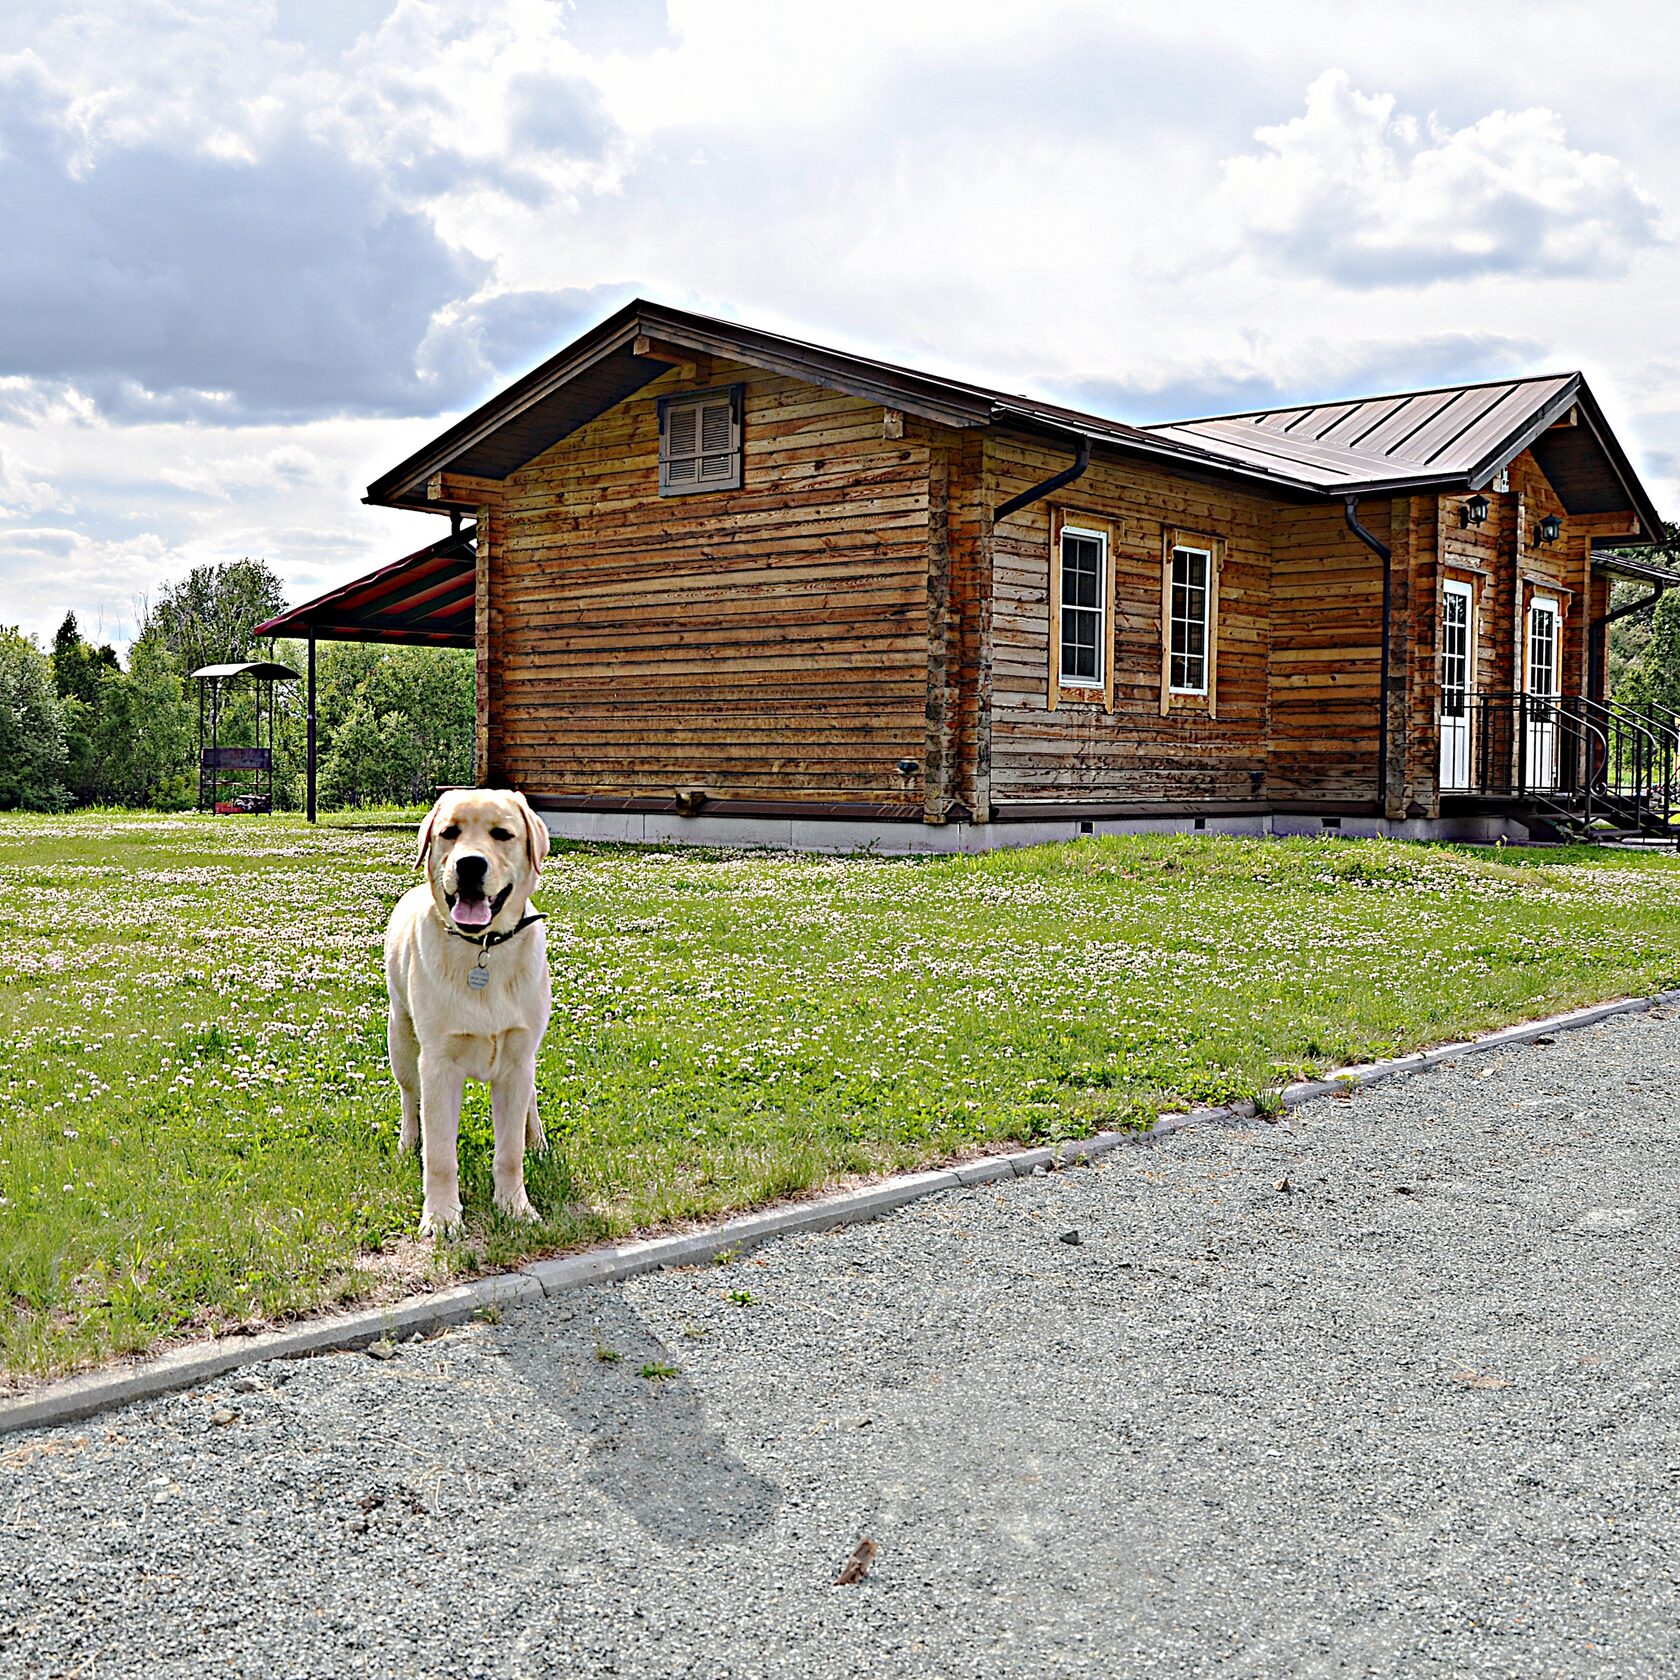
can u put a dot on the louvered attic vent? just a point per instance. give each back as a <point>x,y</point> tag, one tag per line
<point>700,442</point>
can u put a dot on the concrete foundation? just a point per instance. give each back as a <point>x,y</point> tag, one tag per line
<point>902,839</point>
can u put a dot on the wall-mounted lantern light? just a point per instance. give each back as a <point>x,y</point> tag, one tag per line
<point>1474,511</point>
<point>1549,529</point>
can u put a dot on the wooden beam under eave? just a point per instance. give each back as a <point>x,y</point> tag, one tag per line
<point>658,350</point>
<point>1604,524</point>
<point>464,490</point>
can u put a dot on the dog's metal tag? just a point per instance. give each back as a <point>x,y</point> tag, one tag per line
<point>478,977</point>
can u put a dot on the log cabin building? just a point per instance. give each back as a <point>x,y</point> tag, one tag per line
<point>735,588</point>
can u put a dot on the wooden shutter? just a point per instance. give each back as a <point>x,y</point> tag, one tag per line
<point>700,441</point>
<point>682,435</point>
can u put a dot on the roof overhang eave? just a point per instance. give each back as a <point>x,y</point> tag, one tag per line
<point>1138,442</point>
<point>1613,564</point>
<point>1577,395</point>
<point>404,485</point>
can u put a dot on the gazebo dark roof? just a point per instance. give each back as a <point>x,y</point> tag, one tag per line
<point>425,599</point>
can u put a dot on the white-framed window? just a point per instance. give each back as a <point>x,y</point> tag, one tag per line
<point>1082,560</point>
<point>700,441</point>
<point>1189,618</point>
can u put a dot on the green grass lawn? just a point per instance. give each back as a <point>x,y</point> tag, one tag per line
<point>197,1127</point>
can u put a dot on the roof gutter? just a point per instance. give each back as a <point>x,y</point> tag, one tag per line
<point>1039,491</point>
<point>1350,511</point>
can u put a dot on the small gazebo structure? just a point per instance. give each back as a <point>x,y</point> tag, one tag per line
<point>249,771</point>
<point>426,599</point>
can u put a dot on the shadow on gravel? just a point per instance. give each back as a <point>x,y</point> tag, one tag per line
<point>651,1449</point>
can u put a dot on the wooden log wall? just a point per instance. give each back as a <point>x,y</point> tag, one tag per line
<point>1326,653</point>
<point>766,643</point>
<point>1557,569</point>
<point>852,605</point>
<point>1078,750</point>
<point>1505,565</point>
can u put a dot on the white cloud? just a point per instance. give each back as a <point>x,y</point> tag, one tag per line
<point>1360,192</point>
<point>264,215</point>
<point>23,493</point>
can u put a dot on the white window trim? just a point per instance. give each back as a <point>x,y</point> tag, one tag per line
<point>698,399</point>
<point>1099,683</point>
<point>1207,555</point>
<point>1544,606</point>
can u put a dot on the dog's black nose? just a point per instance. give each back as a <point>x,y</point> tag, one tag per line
<point>469,871</point>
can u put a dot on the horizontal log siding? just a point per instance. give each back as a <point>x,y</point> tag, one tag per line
<point>763,643</point>
<point>1492,555</point>
<point>1078,751</point>
<point>1480,556</point>
<point>1326,641</point>
<point>1553,568</point>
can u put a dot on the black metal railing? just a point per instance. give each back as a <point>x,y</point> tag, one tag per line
<point>1597,765</point>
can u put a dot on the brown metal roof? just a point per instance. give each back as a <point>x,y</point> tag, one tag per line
<point>1455,437</point>
<point>424,599</point>
<point>602,368</point>
<point>1458,431</point>
<point>1641,571</point>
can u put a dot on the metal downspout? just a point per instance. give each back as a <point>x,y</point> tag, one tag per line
<point>1027,497</point>
<point>1350,508</point>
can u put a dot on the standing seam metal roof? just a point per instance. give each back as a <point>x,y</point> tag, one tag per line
<point>1457,430</point>
<point>1452,437</point>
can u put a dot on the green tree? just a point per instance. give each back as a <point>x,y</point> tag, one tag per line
<point>78,671</point>
<point>207,617</point>
<point>1643,664</point>
<point>145,733</point>
<point>352,771</point>
<point>393,724</point>
<point>77,665</point>
<point>33,758</point>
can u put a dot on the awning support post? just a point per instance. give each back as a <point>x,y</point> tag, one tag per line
<point>309,736</point>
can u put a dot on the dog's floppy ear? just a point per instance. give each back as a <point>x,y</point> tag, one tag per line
<point>536,834</point>
<point>426,833</point>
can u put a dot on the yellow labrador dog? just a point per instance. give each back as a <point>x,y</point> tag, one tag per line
<point>467,969</point>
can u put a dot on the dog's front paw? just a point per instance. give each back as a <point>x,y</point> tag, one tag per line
<point>440,1222</point>
<point>517,1206</point>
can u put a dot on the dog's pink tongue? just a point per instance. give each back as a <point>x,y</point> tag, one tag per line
<point>473,913</point>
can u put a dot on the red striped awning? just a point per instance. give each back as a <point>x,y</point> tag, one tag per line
<point>425,599</point>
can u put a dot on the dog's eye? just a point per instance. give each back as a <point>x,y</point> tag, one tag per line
<point>451,833</point>
<point>501,834</point>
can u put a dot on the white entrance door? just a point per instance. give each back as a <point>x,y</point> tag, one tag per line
<point>1542,692</point>
<point>1458,641</point>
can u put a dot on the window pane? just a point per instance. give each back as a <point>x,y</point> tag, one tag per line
<point>1082,591</point>
<point>1187,630</point>
<point>1081,629</point>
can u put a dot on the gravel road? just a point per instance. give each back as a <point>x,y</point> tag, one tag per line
<point>1391,1388</point>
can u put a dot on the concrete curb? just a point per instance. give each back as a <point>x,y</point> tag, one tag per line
<point>79,1397</point>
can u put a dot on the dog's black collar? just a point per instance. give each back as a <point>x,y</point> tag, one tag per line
<point>489,941</point>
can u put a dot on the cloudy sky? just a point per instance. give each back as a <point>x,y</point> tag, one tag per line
<point>259,250</point>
